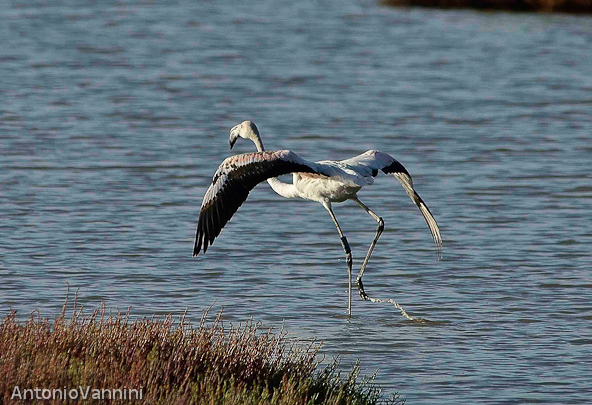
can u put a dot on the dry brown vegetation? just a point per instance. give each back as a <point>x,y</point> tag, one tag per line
<point>568,6</point>
<point>171,362</point>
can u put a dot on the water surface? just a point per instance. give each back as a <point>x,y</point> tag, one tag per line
<point>115,116</point>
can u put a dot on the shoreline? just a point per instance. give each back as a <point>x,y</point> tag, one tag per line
<point>544,6</point>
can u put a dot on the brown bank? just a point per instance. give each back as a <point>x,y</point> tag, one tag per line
<point>566,6</point>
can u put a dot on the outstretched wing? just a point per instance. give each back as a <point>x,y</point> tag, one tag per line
<point>232,182</point>
<point>372,161</point>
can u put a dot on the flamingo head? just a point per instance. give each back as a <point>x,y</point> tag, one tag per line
<point>246,130</point>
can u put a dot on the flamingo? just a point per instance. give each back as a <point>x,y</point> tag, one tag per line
<point>325,182</point>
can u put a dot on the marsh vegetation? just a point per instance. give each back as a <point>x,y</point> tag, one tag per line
<point>167,362</point>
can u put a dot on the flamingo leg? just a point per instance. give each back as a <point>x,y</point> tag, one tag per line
<point>348,255</point>
<point>379,230</point>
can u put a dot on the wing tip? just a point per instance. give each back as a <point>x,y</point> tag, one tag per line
<point>196,250</point>
<point>438,244</point>
<point>198,239</point>
<point>431,222</point>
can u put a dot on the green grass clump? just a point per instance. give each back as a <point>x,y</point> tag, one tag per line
<point>170,362</point>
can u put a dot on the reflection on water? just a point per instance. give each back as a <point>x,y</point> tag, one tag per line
<point>117,115</point>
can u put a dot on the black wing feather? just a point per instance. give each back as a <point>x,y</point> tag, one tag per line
<point>231,185</point>
<point>399,171</point>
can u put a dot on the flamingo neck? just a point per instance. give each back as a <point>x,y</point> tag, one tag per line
<point>286,190</point>
<point>258,143</point>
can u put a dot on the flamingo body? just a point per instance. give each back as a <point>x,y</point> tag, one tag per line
<point>325,182</point>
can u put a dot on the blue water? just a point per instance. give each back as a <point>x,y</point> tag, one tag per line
<point>114,117</point>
